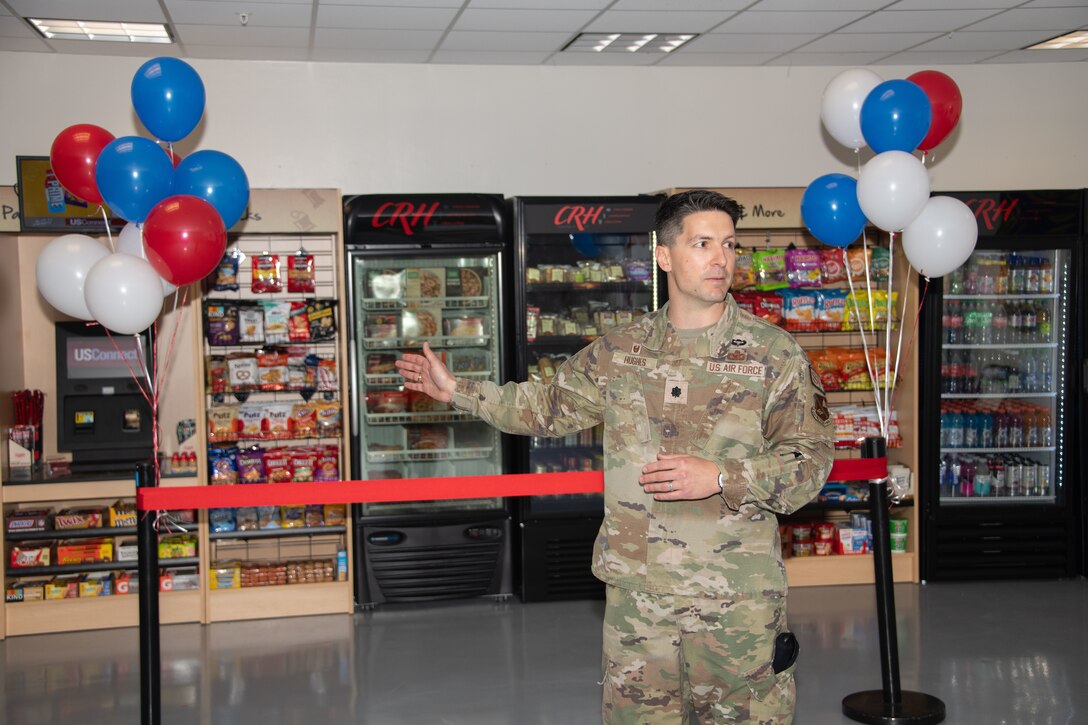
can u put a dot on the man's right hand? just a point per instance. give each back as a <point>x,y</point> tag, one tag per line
<point>427,374</point>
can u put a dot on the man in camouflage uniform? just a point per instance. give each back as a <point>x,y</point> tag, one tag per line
<point>714,421</point>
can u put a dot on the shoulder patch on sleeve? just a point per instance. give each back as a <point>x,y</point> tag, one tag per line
<point>819,409</point>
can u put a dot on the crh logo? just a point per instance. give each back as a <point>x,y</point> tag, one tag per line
<point>408,215</point>
<point>579,216</point>
<point>991,212</point>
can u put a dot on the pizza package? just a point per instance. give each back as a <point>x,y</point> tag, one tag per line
<point>425,283</point>
<point>423,320</point>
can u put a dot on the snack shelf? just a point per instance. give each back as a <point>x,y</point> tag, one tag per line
<point>82,533</point>
<point>802,571</point>
<point>118,610</point>
<point>401,303</point>
<point>34,571</point>
<point>392,343</point>
<point>278,533</point>
<point>232,441</point>
<point>433,454</point>
<point>287,600</point>
<point>327,346</point>
<point>396,380</point>
<point>401,418</point>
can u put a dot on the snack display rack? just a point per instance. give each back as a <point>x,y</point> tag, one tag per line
<point>278,561</point>
<point>773,221</point>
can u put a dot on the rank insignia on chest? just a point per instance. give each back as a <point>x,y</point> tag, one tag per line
<point>676,392</point>
<point>736,356</point>
<point>636,349</point>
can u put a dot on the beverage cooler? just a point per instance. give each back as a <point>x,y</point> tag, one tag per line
<point>583,266</point>
<point>426,268</point>
<point>999,474</point>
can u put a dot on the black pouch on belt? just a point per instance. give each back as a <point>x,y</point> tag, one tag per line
<point>785,651</point>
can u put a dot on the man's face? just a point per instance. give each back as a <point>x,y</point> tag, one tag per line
<point>700,262</point>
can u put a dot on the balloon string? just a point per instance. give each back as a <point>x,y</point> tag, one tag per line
<point>864,340</point>
<point>914,327</point>
<point>109,233</point>
<point>131,372</point>
<point>889,380</point>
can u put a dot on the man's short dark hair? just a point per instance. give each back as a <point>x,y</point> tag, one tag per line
<point>669,220</point>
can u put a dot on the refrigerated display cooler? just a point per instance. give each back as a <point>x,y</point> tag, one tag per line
<point>426,268</point>
<point>583,265</point>
<point>999,473</point>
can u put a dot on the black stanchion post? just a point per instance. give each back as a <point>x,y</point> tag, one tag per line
<point>890,704</point>
<point>148,561</point>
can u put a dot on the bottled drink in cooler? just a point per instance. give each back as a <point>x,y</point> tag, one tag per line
<point>1046,277</point>
<point>1028,321</point>
<point>1043,325</point>
<point>1012,312</point>
<point>999,322</point>
<point>983,482</point>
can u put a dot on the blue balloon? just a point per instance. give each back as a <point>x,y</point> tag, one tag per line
<point>216,178</point>
<point>895,116</point>
<point>830,210</point>
<point>133,175</point>
<point>168,96</point>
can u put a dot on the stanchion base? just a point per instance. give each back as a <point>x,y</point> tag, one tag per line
<point>916,708</point>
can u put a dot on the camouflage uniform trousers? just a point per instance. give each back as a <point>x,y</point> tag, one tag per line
<point>671,659</point>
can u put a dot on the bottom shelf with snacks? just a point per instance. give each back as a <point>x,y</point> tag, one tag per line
<point>70,558</point>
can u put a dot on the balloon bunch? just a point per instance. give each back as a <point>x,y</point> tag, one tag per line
<point>178,209</point>
<point>894,118</point>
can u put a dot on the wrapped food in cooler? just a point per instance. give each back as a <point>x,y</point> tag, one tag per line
<point>123,514</point>
<point>428,437</point>
<point>425,282</point>
<point>96,584</point>
<point>225,575</point>
<point>63,587</point>
<point>30,555</point>
<point>386,284</point>
<point>26,520</point>
<point>84,551</point>
<point>421,321</point>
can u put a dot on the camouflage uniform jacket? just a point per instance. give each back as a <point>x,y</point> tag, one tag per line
<point>743,395</point>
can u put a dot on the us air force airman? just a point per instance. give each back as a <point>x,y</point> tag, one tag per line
<point>714,422</point>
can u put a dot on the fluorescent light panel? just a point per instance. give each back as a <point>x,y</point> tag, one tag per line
<point>626,42</point>
<point>1076,39</point>
<point>102,30</point>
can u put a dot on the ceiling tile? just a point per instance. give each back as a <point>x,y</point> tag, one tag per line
<point>971,40</point>
<point>412,3</point>
<point>931,58</point>
<point>538,5</point>
<point>746,43</point>
<point>1060,19</point>
<point>388,18</point>
<point>137,11</point>
<point>752,21</point>
<point>1042,56</point>
<point>24,45</point>
<point>599,59</point>
<point>469,57</point>
<point>11,27</point>
<point>822,5</point>
<point>248,37</point>
<point>860,42</point>
<point>801,58</point>
<point>621,21</point>
<point>717,59</point>
<point>202,12</point>
<point>917,21</point>
<point>958,4</point>
<point>376,39</point>
<point>671,6</point>
<point>466,40</point>
<point>569,21</point>
<point>1051,4</point>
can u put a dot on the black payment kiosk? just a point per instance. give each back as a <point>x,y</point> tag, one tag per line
<point>103,419</point>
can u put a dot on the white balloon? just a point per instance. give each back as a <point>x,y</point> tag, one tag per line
<point>61,271</point>
<point>892,189</point>
<point>131,242</point>
<point>840,107</point>
<point>941,238</point>
<point>123,293</point>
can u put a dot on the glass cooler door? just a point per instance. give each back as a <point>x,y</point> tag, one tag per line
<point>577,286</point>
<point>401,302</point>
<point>1005,347</point>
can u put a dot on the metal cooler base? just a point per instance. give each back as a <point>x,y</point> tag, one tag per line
<point>425,561</point>
<point>555,560</point>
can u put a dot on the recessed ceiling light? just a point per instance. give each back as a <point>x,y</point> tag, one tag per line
<point>1076,39</point>
<point>101,30</point>
<point>626,42</point>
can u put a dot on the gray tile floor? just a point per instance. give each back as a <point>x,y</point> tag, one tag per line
<point>996,653</point>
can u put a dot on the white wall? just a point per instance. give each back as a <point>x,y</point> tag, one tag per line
<point>549,130</point>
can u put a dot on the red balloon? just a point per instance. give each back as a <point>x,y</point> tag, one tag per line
<point>184,238</point>
<point>944,100</point>
<point>73,155</point>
